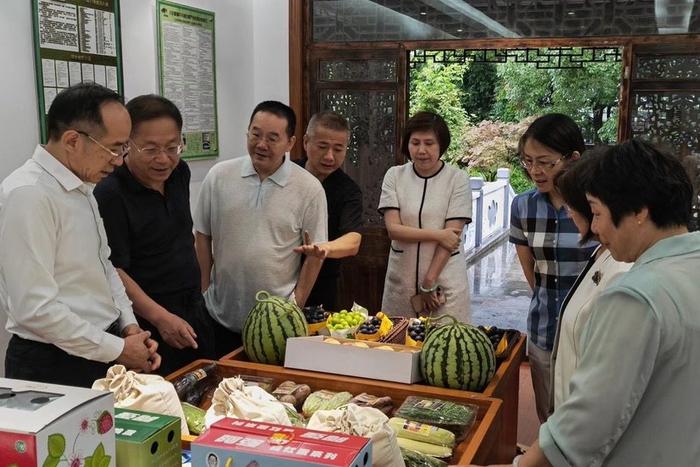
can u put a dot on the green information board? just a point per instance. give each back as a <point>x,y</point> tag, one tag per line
<point>75,41</point>
<point>188,73</point>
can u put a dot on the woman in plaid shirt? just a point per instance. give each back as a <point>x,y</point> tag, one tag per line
<point>546,239</point>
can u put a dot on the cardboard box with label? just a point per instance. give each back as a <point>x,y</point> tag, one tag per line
<point>233,442</point>
<point>48,425</point>
<point>147,439</point>
<point>375,360</point>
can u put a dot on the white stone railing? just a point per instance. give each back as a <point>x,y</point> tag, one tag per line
<point>490,212</point>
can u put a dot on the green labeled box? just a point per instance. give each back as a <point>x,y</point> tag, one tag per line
<point>147,439</point>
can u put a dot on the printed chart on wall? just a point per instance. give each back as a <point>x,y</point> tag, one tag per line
<point>75,41</point>
<point>188,73</point>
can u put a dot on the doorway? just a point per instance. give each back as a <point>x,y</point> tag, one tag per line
<point>355,56</point>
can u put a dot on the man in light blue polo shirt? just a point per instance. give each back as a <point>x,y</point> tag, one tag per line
<point>251,214</point>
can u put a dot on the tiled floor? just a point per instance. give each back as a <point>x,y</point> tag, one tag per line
<point>500,297</point>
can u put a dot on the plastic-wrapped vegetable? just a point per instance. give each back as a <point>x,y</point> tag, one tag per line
<point>416,459</point>
<point>425,448</point>
<point>422,432</point>
<point>292,393</point>
<point>294,416</point>
<point>324,400</point>
<point>260,381</point>
<point>195,418</point>
<point>385,404</point>
<point>455,417</point>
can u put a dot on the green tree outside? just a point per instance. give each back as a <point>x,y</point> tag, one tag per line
<point>437,87</point>
<point>487,107</point>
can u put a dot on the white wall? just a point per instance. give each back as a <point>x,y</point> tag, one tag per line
<point>19,122</point>
<point>271,50</point>
<point>252,64</point>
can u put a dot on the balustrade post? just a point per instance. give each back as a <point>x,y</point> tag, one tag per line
<point>477,184</point>
<point>503,174</point>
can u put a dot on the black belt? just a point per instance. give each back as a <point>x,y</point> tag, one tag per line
<point>114,329</point>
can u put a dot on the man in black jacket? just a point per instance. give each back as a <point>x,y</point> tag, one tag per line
<point>145,206</point>
<point>326,145</point>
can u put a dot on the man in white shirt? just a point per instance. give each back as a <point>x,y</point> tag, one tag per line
<point>251,214</point>
<point>66,306</point>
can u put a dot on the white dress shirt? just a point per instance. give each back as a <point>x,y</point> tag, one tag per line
<point>574,315</point>
<point>57,284</point>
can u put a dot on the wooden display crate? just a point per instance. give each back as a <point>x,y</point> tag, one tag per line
<point>505,385</point>
<point>480,446</point>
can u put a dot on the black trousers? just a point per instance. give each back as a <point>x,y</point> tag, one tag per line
<point>188,305</point>
<point>226,340</point>
<point>35,361</point>
<point>325,292</point>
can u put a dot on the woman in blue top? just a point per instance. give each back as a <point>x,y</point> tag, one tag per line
<point>546,239</point>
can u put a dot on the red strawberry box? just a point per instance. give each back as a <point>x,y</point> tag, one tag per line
<point>232,441</point>
<point>48,425</point>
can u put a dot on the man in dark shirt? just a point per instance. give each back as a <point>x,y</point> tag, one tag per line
<point>326,145</point>
<point>146,212</point>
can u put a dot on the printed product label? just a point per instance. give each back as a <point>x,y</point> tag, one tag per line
<point>420,428</point>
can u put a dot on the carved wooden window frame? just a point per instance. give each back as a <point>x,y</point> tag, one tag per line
<point>302,50</point>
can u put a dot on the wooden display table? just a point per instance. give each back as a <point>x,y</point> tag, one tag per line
<point>480,446</point>
<point>505,385</point>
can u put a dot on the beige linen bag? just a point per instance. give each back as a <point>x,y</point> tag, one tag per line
<point>233,398</point>
<point>362,421</point>
<point>150,393</point>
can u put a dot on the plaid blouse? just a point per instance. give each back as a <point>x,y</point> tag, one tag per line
<point>553,239</point>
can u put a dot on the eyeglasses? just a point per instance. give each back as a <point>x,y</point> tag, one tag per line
<point>269,139</point>
<point>154,151</point>
<point>546,166</point>
<point>123,151</point>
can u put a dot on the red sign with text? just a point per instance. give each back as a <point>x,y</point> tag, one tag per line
<point>232,441</point>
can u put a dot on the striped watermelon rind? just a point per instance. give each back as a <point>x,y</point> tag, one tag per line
<point>270,322</point>
<point>457,356</point>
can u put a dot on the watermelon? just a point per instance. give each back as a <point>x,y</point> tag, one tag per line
<point>457,356</point>
<point>268,325</point>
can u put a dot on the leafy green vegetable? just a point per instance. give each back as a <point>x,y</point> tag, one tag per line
<point>416,459</point>
<point>436,411</point>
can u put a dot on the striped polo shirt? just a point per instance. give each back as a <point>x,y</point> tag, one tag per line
<point>553,240</point>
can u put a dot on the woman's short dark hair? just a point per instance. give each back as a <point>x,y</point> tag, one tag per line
<point>556,131</point>
<point>150,107</point>
<point>78,104</point>
<point>426,121</point>
<point>572,182</point>
<point>633,175</point>
<point>279,109</point>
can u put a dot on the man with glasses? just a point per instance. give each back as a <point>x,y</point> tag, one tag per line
<point>67,310</point>
<point>145,205</point>
<point>251,214</point>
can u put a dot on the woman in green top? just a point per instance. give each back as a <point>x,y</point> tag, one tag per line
<point>634,392</point>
